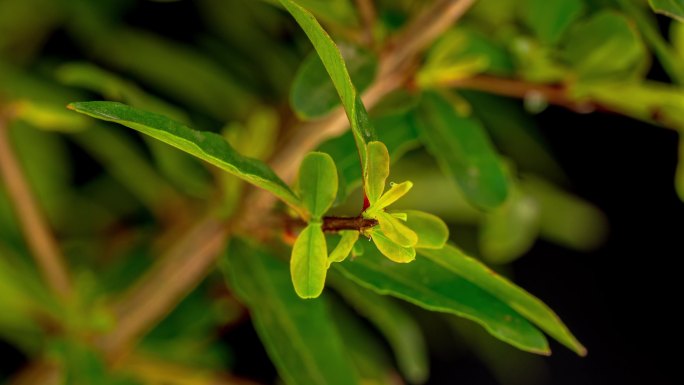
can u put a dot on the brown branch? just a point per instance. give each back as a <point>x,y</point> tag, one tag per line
<point>163,287</point>
<point>36,231</point>
<point>514,88</point>
<point>337,224</point>
<point>368,18</point>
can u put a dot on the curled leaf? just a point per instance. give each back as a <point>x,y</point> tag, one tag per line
<point>396,231</point>
<point>309,262</point>
<point>391,249</point>
<point>344,246</point>
<point>395,192</point>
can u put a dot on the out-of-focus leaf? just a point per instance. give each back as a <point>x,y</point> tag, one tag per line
<point>397,132</point>
<point>671,8</point>
<point>48,117</point>
<point>317,183</point>
<point>299,336</point>
<point>207,146</point>
<point>549,20</point>
<point>425,283</point>
<point>603,45</point>
<point>679,178</point>
<point>22,29</point>
<point>515,133</point>
<point>510,230</point>
<point>535,62</point>
<point>340,12</point>
<point>309,261</point>
<point>566,219</point>
<point>518,299</point>
<point>431,230</point>
<point>401,331</point>
<point>463,149</point>
<point>313,95</point>
<point>337,69</point>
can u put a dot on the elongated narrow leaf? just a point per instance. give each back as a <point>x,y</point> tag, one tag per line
<point>401,331</point>
<point>376,170</point>
<point>671,8</point>
<point>309,261</point>
<point>431,286</point>
<point>518,299</point>
<point>344,247</point>
<point>317,183</point>
<point>313,95</point>
<point>337,69</point>
<point>463,148</point>
<point>299,336</point>
<point>432,232</point>
<point>207,146</point>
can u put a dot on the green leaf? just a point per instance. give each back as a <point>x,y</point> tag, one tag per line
<point>549,20</point>
<point>427,284</point>
<point>377,170</point>
<point>299,336</point>
<point>671,8</point>
<point>510,231</point>
<point>309,261</point>
<point>396,191</point>
<point>317,183</point>
<point>313,95</point>
<point>48,117</point>
<point>605,44</point>
<point>518,299</point>
<point>432,232</point>
<point>344,246</point>
<point>397,326</point>
<point>207,146</point>
<point>391,249</point>
<point>337,69</point>
<point>463,148</point>
<point>396,231</point>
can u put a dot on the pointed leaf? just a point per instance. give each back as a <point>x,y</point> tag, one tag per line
<point>317,183</point>
<point>337,69</point>
<point>299,336</point>
<point>344,246</point>
<point>518,299</point>
<point>432,232</point>
<point>396,231</point>
<point>431,286</point>
<point>392,195</point>
<point>392,250</point>
<point>309,261</point>
<point>463,149</point>
<point>376,170</point>
<point>207,146</point>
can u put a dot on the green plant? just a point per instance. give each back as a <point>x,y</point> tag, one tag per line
<point>300,265</point>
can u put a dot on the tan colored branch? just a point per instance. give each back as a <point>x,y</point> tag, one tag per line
<point>36,231</point>
<point>368,17</point>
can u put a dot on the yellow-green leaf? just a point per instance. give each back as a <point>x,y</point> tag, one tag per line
<point>317,183</point>
<point>344,246</point>
<point>396,191</point>
<point>376,170</point>
<point>309,261</point>
<point>396,231</point>
<point>432,232</point>
<point>391,250</point>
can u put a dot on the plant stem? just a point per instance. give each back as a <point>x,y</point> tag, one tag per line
<point>36,231</point>
<point>368,17</point>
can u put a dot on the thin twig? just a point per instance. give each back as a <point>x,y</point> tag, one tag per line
<point>368,17</point>
<point>34,226</point>
<point>160,290</point>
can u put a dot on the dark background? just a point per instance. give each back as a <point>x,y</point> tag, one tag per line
<point>619,300</point>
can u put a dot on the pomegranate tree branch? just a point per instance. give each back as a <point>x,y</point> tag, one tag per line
<point>40,240</point>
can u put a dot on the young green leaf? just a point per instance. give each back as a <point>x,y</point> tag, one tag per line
<point>400,330</point>
<point>391,249</point>
<point>309,261</point>
<point>207,146</point>
<point>671,8</point>
<point>299,336</point>
<point>317,183</point>
<point>377,170</point>
<point>396,191</point>
<point>518,299</point>
<point>432,232</point>
<point>337,69</point>
<point>344,246</point>
<point>394,229</point>
<point>428,285</point>
<point>313,95</point>
<point>463,148</point>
